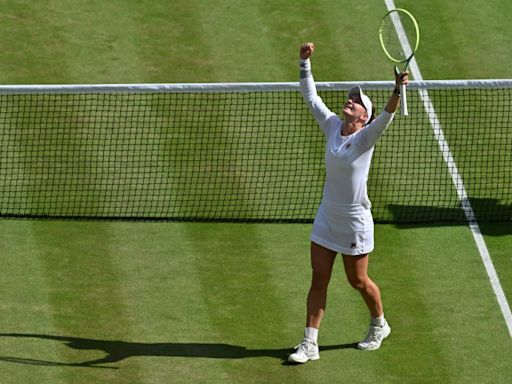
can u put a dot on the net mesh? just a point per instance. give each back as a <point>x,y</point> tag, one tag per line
<point>255,155</point>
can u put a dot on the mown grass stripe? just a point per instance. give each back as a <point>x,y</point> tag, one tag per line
<point>25,305</point>
<point>85,298</point>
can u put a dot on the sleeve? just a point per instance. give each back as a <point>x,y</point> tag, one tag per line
<point>323,115</point>
<point>370,134</point>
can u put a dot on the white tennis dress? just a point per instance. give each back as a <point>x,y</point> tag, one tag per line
<point>344,221</point>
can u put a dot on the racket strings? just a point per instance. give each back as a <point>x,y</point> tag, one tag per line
<point>399,36</point>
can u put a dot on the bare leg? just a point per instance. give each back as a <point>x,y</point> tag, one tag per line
<point>356,269</point>
<point>322,261</point>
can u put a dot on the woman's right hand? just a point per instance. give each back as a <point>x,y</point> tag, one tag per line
<point>306,50</point>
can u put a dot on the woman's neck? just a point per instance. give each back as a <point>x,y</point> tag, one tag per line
<point>350,127</point>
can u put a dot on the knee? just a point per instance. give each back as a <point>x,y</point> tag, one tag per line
<point>358,283</point>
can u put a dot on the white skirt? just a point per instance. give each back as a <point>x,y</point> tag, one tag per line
<point>347,229</point>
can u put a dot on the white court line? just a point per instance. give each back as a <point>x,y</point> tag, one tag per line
<point>456,178</point>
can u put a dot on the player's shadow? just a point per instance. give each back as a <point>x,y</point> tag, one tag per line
<point>117,351</point>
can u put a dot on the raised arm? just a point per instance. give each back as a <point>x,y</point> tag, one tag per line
<point>323,115</point>
<point>373,131</point>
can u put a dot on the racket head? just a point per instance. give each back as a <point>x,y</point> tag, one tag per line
<point>399,35</point>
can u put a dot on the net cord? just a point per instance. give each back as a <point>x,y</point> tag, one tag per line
<point>246,87</point>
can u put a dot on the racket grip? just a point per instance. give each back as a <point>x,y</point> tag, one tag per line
<point>403,101</point>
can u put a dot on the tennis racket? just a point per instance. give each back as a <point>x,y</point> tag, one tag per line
<point>399,37</point>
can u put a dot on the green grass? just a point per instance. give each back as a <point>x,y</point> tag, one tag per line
<point>462,40</point>
<point>222,302</point>
<point>178,302</point>
<point>498,238</point>
<point>194,41</point>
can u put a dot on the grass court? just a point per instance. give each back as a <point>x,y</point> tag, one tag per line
<point>154,302</point>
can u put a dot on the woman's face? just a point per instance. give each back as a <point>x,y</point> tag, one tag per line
<point>354,108</point>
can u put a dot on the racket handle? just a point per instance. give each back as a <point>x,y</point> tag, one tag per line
<point>403,101</point>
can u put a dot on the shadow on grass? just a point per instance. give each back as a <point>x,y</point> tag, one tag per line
<point>117,351</point>
<point>493,216</point>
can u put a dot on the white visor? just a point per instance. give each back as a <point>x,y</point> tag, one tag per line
<point>367,104</point>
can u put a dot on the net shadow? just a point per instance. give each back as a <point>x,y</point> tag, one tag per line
<point>486,211</point>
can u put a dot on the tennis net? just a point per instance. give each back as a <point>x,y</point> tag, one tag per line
<point>248,152</point>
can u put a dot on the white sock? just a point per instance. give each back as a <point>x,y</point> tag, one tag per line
<point>311,334</point>
<point>379,321</point>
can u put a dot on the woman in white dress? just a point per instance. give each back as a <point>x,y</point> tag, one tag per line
<point>344,223</point>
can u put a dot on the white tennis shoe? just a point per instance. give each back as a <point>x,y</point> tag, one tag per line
<point>305,351</point>
<point>375,337</point>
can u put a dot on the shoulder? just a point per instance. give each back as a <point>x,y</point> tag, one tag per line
<point>332,124</point>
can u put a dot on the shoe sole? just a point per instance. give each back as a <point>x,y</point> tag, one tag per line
<point>312,358</point>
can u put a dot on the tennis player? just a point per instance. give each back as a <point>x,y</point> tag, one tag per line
<point>343,223</point>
